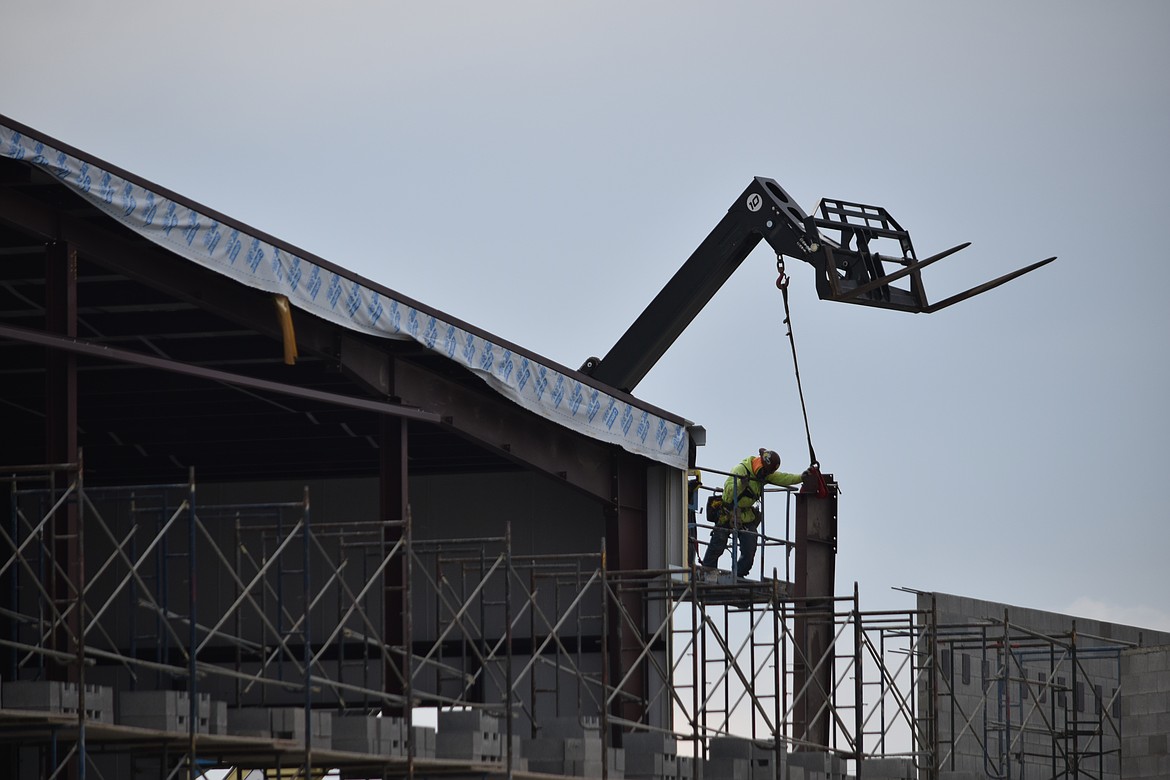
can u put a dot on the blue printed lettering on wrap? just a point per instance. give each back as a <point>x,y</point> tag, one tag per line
<point>60,166</point>
<point>506,366</point>
<point>314,285</point>
<point>395,317</point>
<point>353,301</point>
<point>487,359</point>
<point>211,238</point>
<point>450,343</point>
<point>294,272</point>
<point>375,308</point>
<point>84,180</point>
<point>106,188</point>
<point>594,406</point>
<point>234,246</point>
<point>170,220</point>
<point>680,439</point>
<point>643,427</point>
<point>333,295</point>
<point>558,391</point>
<point>611,415</point>
<point>627,419</point>
<point>192,227</point>
<point>255,255</point>
<point>412,323</point>
<point>15,148</point>
<point>469,350</point>
<point>541,383</point>
<point>431,335</point>
<point>523,375</point>
<point>277,265</point>
<point>151,210</point>
<point>576,398</point>
<point>129,203</point>
<point>662,432</point>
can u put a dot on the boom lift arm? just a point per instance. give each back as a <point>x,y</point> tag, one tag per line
<point>847,270</point>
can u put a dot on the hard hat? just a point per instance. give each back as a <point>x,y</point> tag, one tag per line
<point>770,460</point>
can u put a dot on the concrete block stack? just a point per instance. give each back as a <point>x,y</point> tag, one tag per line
<point>888,769</point>
<point>60,697</point>
<point>171,711</point>
<point>282,723</point>
<point>43,695</point>
<point>358,734</point>
<point>814,765</point>
<point>380,736</point>
<point>472,735</point>
<point>690,768</point>
<point>572,747</point>
<point>741,758</point>
<point>651,756</point>
<point>425,742</point>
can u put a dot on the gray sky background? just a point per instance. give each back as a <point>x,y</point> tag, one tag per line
<point>541,169</point>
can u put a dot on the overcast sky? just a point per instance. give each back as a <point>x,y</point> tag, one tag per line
<point>541,169</point>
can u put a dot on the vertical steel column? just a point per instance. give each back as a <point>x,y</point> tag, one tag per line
<point>508,640</point>
<point>61,441</point>
<point>859,682</point>
<point>1005,697</point>
<point>606,658</point>
<point>392,479</point>
<point>193,636</point>
<point>816,550</point>
<point>11,655</point>
<point>1074,754</point>
<point>698,675</point>
<point>81,753</point>
<point>625,535</point>
<point>933,737</point>
<point>306,649</point>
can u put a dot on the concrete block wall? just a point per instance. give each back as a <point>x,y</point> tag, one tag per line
<point>1049,695</point>
<point>1145,709</point>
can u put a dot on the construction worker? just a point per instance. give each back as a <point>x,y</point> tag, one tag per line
<point>741,492</point>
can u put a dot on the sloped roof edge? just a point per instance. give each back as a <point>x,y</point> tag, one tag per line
<point>250,257</point>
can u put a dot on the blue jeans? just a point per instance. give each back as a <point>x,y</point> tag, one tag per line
<point>747,539</point>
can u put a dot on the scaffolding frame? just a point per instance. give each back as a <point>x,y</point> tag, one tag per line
<point>1031,707</point>
<point>94,576</point>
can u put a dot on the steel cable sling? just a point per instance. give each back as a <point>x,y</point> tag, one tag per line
<point>814,465</point>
